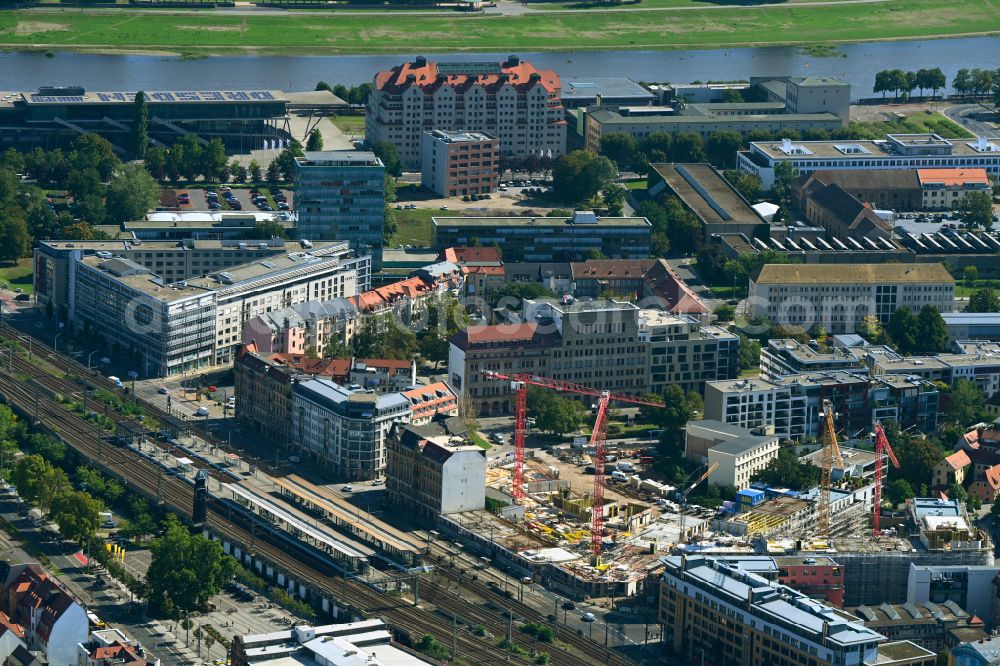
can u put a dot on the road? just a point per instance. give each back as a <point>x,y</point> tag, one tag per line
<point>975,118</point>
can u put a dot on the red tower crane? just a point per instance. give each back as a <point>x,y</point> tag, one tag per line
<point>520,384</point>
<point>882,449</point>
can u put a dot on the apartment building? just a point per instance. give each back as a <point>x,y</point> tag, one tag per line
<point>716,611</point>
<point>431,473</point>
<point>263,388</point>
<point>970,587</point>
<point>455,164</point>
<point>896,151</point>
<point>739,459</point>
<point>511,100</point>
<point>818,576</point>
<point>53,622</point>
<point>682,351</point>
<point>430,401</point>
<point>312,325</point>
<point>545,239</point>
<point>345,429</point>
<point>946,189</point>
<point>173,261</point>
<point>974,360</point>
<point>319,272</point>
<point>340,195</point>
<point>838,297</point>
<point>792,404</point>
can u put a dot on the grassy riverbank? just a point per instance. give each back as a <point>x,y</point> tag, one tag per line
<point>688,26</point>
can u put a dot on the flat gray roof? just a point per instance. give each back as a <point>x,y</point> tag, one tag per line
<point>708,194</point>
<point>743,443</point>
<point>339,158</point>
<point>494,222</point>
<point>617,87</point>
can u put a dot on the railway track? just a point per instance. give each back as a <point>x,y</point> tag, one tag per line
<point>38,397</point>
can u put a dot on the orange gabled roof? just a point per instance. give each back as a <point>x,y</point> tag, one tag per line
<point>952,177</point>
<point>424,74</point>
<point>474,255</point>
<point>992,477</point>
<point>958,460</point>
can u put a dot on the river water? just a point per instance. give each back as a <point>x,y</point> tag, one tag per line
<point>857,63</point>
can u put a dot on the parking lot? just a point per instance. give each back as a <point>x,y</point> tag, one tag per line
<point>259,198</point>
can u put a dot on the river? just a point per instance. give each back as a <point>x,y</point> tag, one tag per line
<point>856,63</point>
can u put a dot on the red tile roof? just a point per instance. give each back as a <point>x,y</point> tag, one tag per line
<point>472,255</point>
<point>952,177</point>
<point>958,460</point>
<point>423,74</point>
<point>486,270</point>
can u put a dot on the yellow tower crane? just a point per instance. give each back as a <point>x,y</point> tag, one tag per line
<point>829,458</point>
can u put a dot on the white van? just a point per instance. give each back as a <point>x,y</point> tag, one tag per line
<point>618,476</point>
<point>202,411</point>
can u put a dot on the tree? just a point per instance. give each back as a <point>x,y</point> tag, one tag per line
<point>871,329</point>
<point>725,312</point>
<point>554,414</point>
<point>962,83</point>
<point>983,300</point>
<point>91,208</point>
<point>383,337</point>
<point>678,408</point>
<point>79,231</point>
<point>214,157</point>
<point>131,194</point>
<point>614,199</point>
<point>883,82</point>
<point>266,230</point>
<point>971,274</point>
<point>903,329</point>
<point>389,154</point>
<point>688,147</point>
<point>898,491</point>
<point>336,349</point>
<point>749,353</point>
<point>746,184</point>
<point>323,85</point>
<point>786,470</point>
<point>932,332</point>
<point>156,162</point>
<point>721,149</point>
<point>977,210</point>
<point>185,570</point>
<point>621,148</point>
<point>273,172</point>
<point>315,141</point>
<point>965,403</point>
<point>581,174</point>
<point>77,514</point>
<point>15,239</point>
<point>935,80</point>
<point>140,126</point>
<point>93,151</point>
<point>84,182</point>
<point>254,170</point>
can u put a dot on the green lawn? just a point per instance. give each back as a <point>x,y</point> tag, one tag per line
<point>708,25</point>
<point>920,122</point>
<point>636,184</point>
<point>414,227</point>
<point>18,276</point>
<point>479,440</point>
<point>963,291</point>
<point>349,124</point>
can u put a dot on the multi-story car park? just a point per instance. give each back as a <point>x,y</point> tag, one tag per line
<point>896,151</point>
<point>513,101</point>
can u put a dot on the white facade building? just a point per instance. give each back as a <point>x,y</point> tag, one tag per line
<point>739,459</point>
<point>344,428</point>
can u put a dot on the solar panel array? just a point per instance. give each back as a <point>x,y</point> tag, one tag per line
<point>159,96</point>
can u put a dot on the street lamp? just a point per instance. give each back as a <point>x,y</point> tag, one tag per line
<point>55,342</point>
<point>90,356</point>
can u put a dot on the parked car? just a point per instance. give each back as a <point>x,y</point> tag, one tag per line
<point>588,617</point>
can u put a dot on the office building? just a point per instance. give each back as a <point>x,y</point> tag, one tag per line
<point>792,404</point>
<point>174,328</point>
<point>896,151</point>
<point>717,611</point>
<point>340,195</point>
<point>431,473</point>
<point>345,429</point>
<point>737,460</point>
<point>511,100</point>
<point>53,117</point>
<point>197,225</point>
<point>972,325</point>
<point>972,360</point>
<point>709,196</point>
<point>455,164</point>
<point>839,297</point>
<point>544,239</point>
<point>685,353</point>
<point>702,435</point>
<point>618,91</point>
<point>946,189</point>
<point>972,588</point>
<point>799,103</point>
<point>784,356</point>
<point>173,261</point>
<point>367,642</point>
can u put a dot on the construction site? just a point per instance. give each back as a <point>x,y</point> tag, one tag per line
<point>541,526</point>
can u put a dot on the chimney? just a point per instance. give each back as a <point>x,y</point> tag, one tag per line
<point>513,61</point>
<point>420,61</point>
